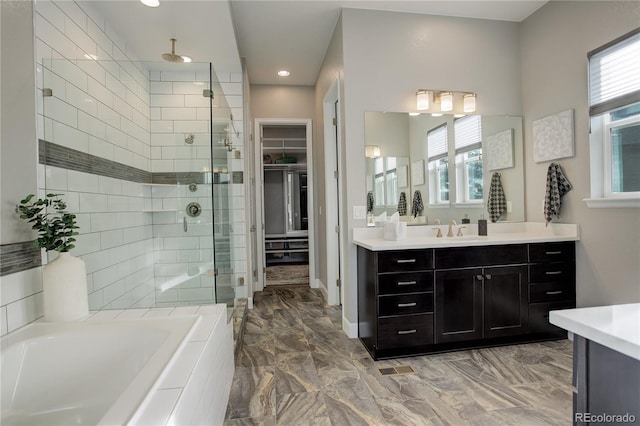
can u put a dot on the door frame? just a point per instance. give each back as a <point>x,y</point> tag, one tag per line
<point>333,195</point>
<point>259,176</point>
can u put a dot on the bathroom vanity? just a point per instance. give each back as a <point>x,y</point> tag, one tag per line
<point>427,294</point>
<point>606,362</point>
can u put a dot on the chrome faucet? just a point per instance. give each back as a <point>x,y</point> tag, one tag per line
<point>451,224</point>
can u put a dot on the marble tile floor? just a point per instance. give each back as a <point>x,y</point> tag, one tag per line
<point>296,367</point>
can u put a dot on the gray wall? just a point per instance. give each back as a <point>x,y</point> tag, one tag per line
<point>18,143</point>
<point>332,69</point>
<point>554,42</point>
<point>383,70</point>
<point>271,101</point>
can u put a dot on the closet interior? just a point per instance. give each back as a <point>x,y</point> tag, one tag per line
<point>284,162</point>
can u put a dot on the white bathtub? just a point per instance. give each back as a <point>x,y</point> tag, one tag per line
<point>95,372</point>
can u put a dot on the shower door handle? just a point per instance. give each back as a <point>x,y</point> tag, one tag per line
<point>184,223</point>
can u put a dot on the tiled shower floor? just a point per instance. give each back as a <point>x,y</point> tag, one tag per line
<point>297,367</point>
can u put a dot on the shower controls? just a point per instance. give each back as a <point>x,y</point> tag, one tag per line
<point>194,209</point>
<point>193,187</point>
<point>189,138</point>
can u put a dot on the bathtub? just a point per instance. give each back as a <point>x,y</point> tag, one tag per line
<point>101,372</point>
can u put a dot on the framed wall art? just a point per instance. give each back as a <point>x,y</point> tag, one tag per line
<point>553,137</point>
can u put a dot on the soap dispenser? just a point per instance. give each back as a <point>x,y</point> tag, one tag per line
<point>482,226</point>
<point>466,219</point>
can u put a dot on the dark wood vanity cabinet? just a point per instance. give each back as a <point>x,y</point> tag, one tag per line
<point>475,301</point>
<point>395,299</point>
<point>552,283</point>
<point>432,300</point>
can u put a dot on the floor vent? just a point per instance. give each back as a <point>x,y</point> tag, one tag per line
<point>394,371</point>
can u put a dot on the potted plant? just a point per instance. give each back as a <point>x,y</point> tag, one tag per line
<point>64,280</point>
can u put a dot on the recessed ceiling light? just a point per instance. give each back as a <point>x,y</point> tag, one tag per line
<point>283,73</point>
<point>151,3</point>
<point>186,59</point>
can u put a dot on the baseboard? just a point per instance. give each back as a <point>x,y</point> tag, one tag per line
<point>350,329</point>
<point>315,283</point>
<point>319,285</point>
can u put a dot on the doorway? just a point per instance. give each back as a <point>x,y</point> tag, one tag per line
<point>285,208</point>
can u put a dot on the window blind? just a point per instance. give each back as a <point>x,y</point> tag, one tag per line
<point>437,142</point>
<point>467,133</point>
<point>614,74</point>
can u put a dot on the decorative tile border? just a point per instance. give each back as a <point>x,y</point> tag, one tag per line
<point>17,257</point>
<point>56,155</point>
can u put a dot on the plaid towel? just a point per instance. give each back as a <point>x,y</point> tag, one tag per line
<point>416,205</point>
<point>402,204</point>
<point>370,202</point>
<point>497,203</point>
<point>557,186</point>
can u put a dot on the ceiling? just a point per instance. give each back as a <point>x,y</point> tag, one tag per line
<point>271,35</point>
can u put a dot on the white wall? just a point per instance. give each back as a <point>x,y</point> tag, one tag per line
<point>19,149</point>
<point>383,70</point>
<point>554,43</point>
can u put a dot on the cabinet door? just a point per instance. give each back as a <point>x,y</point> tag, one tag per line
<point>506,310</point>
<point>458,305</point>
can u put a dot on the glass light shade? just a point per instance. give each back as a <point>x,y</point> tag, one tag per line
<point>151,3</point>
<point>469,102</point>
<point>422,99</point>
<point>446,101</point>
<point>372,151</point>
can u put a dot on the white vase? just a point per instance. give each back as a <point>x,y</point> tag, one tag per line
<point>64,286</point>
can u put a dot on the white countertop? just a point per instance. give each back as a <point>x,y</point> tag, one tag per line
<point>616,327</point>
<point>419,237</point>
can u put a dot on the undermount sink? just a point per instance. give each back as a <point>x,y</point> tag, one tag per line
<point>470,238</point>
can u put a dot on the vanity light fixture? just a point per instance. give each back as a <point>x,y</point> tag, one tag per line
<point>469,102</point>
<point>437,114</point>
<point>446,101</point>
<point>422,99</point>
<point>284,73</point>
<point>151,3</point>
<point>414,114</point>
<point>372,151</point>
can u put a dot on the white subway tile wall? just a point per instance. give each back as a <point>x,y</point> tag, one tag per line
<point>107,105</point>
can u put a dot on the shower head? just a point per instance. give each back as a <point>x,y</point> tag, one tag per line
<point>172,57</point>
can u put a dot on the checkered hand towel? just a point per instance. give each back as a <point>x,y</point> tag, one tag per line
<point>370,202</point>
<point>416,205</point>
<point>557,186</point>
<point>402,204</point>
<point>497,203</point>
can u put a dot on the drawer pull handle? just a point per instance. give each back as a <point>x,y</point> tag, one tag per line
<point>479,277</point>
<point>488,276</point>
<point>554,252</point>
<point>406,305</point>
<point>406,261</point>
<point>407,331</point>
<point>407,282</point>
<point>554,292</point>
<point>553,272</point>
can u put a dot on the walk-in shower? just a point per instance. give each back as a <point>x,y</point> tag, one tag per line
<point>139,152</point>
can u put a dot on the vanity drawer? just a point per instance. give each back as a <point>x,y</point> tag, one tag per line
<point>550,292</point>
<point>404,304</point>
<point>405,260</point>
<point>409,282</point>
<point>463,257</point>
<point>405,331</point>
<point>550,272</point>
<point>552,252</point>
<point>539,317</point>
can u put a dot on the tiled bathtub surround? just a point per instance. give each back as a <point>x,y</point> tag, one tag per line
<point>100,107</point>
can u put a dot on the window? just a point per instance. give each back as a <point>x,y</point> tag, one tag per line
<point>437,149</point>
<point>468,145</point>
<point>385,182</point>
<point>614,107</point>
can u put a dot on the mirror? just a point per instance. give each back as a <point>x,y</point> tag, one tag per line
<point>455,183</point>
